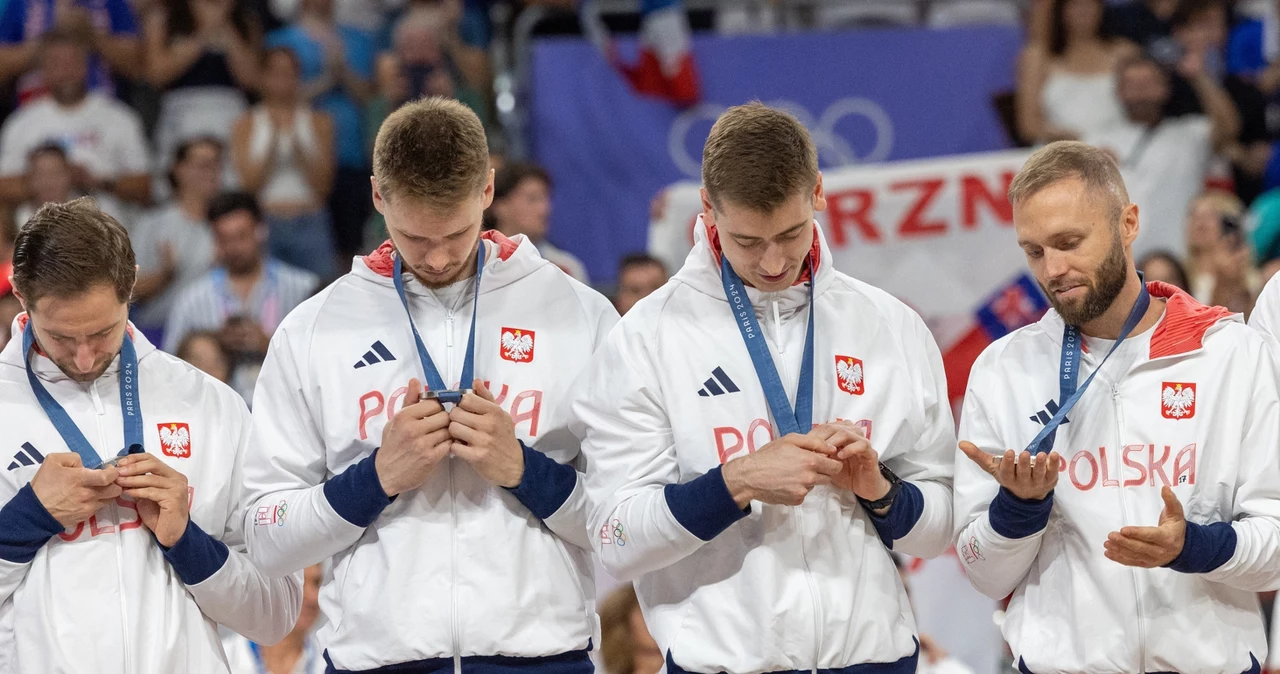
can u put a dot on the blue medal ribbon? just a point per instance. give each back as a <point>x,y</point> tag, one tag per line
<point>1070,370</point>
<point>436,388</point>
<point>130,404</point>
<point>801,419</point>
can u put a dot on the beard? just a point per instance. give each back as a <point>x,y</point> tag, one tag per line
<point>68,368</point>
<point>1101,290</point>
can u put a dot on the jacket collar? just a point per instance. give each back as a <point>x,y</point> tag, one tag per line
<point>815,251</point>
<point>1185,324</point>
<point>701,271</point>
<point>506,261</point>
<point>45,368</point>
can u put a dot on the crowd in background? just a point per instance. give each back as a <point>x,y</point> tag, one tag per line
<point>1183,94</point>
<point>232,138</point>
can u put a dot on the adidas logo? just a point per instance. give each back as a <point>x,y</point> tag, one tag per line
<point>28,456</point>
<point>376,354</point>
<point>719,384</point>
<point>1043,416</point>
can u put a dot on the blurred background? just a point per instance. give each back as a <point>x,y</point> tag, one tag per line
<point>233,139</point>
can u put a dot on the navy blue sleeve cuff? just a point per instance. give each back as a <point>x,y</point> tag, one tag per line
<point>704,505</point>
<point>903,514</point>
<point>1205,548</point>
<point>545,485</point>
<point>356,493</point>
<point>1013,517</point>
<point>196,555</point>
<point>25,526</point>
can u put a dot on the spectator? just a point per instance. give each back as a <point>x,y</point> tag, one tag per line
<point>1206,225</point>
<point>1145,23</point>
<point>522,205</point>
<point>393,91</point>
<point>10,307</point>
<point>202,54</point>
<point>1164,160</point>
<point>1235,281</point>
<point>298,653</point>
<point>337,72</point>
<point>181,226</point>
<point>626,646</point>
<point>49,179</point>
<point>245,297</point>
<point>1164,267</point>
<point>1067,85</point>
<point>102,137</point>
<point>204,350</point>
<point>437,62</point>
<point>108,27</point>
<point>1220,258</point>
<point>638,275</point>
<point>283,153</point>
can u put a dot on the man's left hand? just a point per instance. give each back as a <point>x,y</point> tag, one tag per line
<point>161,494</point>
<point>861,474</point>
<point>1151,547</point>
<point>485,437</point>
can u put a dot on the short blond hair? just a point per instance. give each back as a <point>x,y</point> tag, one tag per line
<point>758,158</point>
<point>1067,159</point>
<point>432,150</point>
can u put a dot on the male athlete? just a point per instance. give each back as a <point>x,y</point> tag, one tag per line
<point>120,535</point>
<point>1118,468</point>
<point>763,430</point>
<point>455,518</point>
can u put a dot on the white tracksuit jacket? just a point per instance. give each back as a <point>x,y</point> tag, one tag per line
<point>457,567</point>
<point>672,395</point>
<point>103,597</point>
<point>1191,403</point>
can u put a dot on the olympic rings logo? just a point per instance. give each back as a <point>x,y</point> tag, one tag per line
<point>834,148</point>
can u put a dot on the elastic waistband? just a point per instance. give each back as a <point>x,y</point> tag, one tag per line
<point>1254,667</point>
<point>573,662</point>
<point>906,665</point>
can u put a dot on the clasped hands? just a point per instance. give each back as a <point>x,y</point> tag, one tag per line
<point>419,436</point>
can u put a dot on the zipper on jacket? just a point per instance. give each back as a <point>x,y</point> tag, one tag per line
<point>813,594</point>
<point>453,571</point>
<point>1124,510</point>
<point>777,326</point>
<point>799,510</point>
<point>119,542</point>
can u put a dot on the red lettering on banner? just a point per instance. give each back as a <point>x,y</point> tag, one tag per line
<point>974,191</point>
<point>1153,467</point>
<point>367,413</point>
<point>1106,469</point>
<point>95,530</point>
<point>723,450</point>
<point>532,415</point>
<point>751,434</point>
<point>913,224</point>
<point>1142,470</point>
<point>1189,452</point>
<point>1093,471</point>
<point>137,520</point>
<point>851,207</point>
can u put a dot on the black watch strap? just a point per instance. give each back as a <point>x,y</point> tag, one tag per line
<point>895,486</point>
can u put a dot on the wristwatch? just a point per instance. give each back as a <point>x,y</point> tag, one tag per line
<point>895,486</point>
